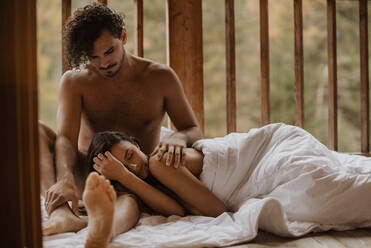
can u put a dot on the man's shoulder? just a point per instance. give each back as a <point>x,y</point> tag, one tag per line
<point>159,73</point>
<point>76,77</point>
<point>159,70</point>
<point>150,68</point>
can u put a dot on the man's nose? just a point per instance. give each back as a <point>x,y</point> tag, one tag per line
<point>104,64</point>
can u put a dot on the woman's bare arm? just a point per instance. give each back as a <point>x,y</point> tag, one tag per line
<point>154,198</point>
<point>184,182</point>
<point>112,168</point>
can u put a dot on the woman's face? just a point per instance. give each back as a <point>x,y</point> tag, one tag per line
<point>132,157</point>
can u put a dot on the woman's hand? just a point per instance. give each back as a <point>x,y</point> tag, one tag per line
<point>109,166</point>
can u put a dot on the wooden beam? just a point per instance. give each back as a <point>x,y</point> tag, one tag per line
<point>66,13</point>
<point>231,65</point>
<point>19,189</point>
<point>365,102</point>
<point>264,61</point>
<point>138,28</point>
<point>332,74</point>
<point>299,65</point>
<point>184,50</point>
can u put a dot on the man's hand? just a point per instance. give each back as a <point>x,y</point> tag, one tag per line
<point>174,147</point>
<point>62,191</point>
<point>109,166</point>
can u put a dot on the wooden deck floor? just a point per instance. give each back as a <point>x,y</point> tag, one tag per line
<point>360,238</point>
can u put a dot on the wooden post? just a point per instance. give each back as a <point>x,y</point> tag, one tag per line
<point>332,74</point>
<point>66,13</point>
<point>184,49</point>
<point>20,186</point>
<point>299,68</point>
<point>138,28</point>
<point>264,61</point>
<point>365,102</point>
<point>231,65</point>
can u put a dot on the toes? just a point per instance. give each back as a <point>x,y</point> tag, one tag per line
<point>109,189</point>
<point>112,193</point>
<point>93,181</point>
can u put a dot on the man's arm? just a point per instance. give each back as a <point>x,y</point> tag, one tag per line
<point>68,127</point>
<point>183,118</point>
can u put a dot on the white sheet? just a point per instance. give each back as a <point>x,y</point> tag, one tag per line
<point>278,178</point>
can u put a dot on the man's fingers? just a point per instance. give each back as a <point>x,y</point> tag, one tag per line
<point>183,157</point>
<point>156,150</point>
<point>47,208</point>
<point>47,197</point>
<point>101,156</point>
<point>161,152</point>
<point>170,153</point>
<point>177,156</point>
<point>55,203</point>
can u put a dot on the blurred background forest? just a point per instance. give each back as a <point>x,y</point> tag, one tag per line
<point>281,34</point>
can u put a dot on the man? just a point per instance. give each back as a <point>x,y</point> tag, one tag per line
<point>108,89</point>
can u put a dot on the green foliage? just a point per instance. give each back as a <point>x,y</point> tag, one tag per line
<point>281,33</point>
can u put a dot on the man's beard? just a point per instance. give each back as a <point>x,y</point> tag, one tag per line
<point>111,74</point>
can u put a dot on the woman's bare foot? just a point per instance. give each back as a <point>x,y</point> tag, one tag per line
<point>99,198</point>
<point>63,220</point>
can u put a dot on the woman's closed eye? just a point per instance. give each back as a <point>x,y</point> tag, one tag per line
<point>128,154</point>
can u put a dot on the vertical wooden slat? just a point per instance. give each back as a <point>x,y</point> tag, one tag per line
<point>184,50</point>
<point>299,68</point>
<point>365,104</point>
<point>66,13</point>
<point>138,28</point>
<point>264,61</point>
<point>103,1</point>
<point>19,188</point>
<point>231,65</point>
<point>332,74</point>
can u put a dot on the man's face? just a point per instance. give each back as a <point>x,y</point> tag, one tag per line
<point>107,55</point>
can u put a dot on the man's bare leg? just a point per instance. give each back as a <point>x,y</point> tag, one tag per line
<point>108,217</point>
<point>61,219</point>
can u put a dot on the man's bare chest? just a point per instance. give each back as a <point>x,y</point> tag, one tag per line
<point>122,108</point>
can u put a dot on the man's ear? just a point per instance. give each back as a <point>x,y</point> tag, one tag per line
<point>124,36</point>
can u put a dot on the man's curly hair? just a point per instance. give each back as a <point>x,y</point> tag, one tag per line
<point>85,27</point>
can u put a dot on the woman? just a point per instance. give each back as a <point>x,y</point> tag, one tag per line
<point>278,177</point>
<point>165,190</point>
<point>118,157</point>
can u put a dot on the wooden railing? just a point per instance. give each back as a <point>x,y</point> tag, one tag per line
<point>185,56</point>
<point>299,69</point>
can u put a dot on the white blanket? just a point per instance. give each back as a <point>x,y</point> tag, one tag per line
<point>278,178</point>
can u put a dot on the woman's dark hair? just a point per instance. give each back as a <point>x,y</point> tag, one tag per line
<point>85,27</point>
<point>103,142</point>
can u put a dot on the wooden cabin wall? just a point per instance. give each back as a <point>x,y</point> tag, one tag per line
<point>19,184</point>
